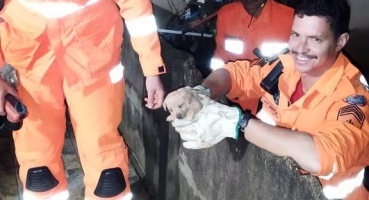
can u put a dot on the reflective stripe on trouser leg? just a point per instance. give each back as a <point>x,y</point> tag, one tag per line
<point>99,143</point>
<point>40,141</point>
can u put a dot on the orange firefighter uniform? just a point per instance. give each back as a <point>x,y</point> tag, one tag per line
<point>239,33</point>
<point>334,111</point>
<point>70,49</point>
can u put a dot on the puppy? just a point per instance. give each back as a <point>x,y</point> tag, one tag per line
<point>182,104</point>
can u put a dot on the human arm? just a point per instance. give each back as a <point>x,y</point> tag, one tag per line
<point>236,79</point>
<point>343,139</point>
<point>5,88</point>
<point>141,24</point>
<point>299,146</point>
<point>333,146</point>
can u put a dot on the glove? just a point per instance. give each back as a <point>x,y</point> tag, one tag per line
<point>213,123</point>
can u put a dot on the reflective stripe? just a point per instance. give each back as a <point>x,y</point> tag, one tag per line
<point>116,74</point>
<point>32,196</point>
<point>233,45</point>
<point>272,48</point>
<point>141,26</point>
<point>345,187</point>
<point>54,10</point>
<point>216,63</point>
<point>128,196</point>
<point>265,117</point>
<point>363,81</point>
<point>329,176</point>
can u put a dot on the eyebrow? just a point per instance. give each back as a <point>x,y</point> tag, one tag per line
<point>310,36</point>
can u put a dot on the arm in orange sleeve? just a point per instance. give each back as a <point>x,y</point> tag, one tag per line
<point>246,78</point>
<point>343,138</point>
<point>141,24</point>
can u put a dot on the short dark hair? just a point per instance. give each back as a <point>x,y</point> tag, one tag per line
<point>337,13</point>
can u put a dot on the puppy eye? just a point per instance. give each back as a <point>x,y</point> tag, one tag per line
<point>180,106</point>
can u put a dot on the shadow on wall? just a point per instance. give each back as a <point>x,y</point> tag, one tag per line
<point>357,49</point>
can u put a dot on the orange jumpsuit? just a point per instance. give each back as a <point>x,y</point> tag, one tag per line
<point>340,130</point>
<point>236,37</point>
<point>70,49</point>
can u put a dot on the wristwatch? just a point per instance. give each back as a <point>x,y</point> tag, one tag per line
<point>247,115</point>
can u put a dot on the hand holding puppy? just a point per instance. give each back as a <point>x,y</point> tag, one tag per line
<point>183,104</point>
<point>200,121</point>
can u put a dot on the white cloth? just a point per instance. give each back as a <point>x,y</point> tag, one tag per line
<point>213,123</point>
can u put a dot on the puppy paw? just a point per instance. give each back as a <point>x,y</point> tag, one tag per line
<point>170,118</point>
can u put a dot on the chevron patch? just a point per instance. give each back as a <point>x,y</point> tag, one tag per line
<point>351,114</point>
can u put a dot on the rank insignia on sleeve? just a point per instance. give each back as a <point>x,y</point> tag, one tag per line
<point>351,114</point>
<point>356,100</point>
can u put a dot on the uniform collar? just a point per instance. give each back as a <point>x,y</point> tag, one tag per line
<point>265,15</point>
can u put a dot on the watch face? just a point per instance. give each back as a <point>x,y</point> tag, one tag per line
<point>245,120</point>
<point>243,124</point>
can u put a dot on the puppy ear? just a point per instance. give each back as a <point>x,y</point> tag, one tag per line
<point>165,104</point>
<point>170,118</point>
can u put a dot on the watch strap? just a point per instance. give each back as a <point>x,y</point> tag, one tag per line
<point>247,115</point>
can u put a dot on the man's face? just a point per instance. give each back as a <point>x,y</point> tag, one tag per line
<point>312,45</point>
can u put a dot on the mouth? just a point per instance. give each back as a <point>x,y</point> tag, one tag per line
<point>303,59</point>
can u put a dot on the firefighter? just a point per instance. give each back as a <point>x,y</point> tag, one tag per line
<point>318,113</point>
<point>70,50</point>
<point>248,25</point>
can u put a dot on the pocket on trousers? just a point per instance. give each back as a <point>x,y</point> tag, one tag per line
<point>99,37</point>
<point>19,51</point>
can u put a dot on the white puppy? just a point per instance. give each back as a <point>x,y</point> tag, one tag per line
<point>182,104</point>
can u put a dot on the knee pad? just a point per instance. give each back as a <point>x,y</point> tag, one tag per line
<point>366,178</point>
<point>40,179</point>
<point>111,183</point>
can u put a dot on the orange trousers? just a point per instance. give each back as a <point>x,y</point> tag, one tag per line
<point>71,58</point>
<point>95,113</point>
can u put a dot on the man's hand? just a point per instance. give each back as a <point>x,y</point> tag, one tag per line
<point>212,124</point>
<point>155,92</point>
<point>5,88</point>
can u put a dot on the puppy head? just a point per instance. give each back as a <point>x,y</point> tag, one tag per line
<point>177,103</point>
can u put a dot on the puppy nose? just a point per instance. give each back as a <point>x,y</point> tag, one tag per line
<point>179,116</point>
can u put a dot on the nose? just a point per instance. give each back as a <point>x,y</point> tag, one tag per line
<point>301,46</point>
<point>179,116</point>
<point>298,45</point>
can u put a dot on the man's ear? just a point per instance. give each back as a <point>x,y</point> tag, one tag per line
<point>342,41</point>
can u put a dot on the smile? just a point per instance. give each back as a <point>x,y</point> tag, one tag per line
<point>301,58</point>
